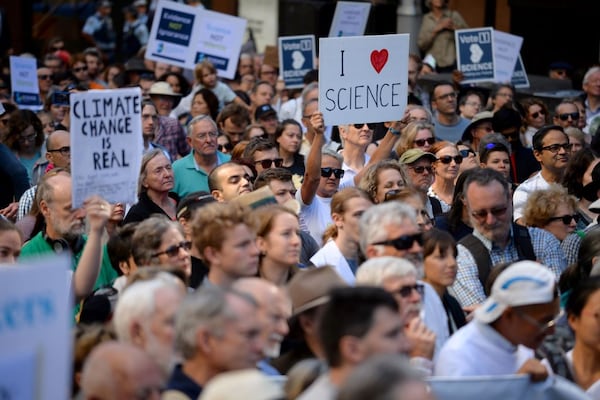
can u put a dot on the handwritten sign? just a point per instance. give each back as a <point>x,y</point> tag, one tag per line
<point>475,54</point>
<point>365,78</point>
<point>220,37</point>
<point>296,58</point>
<point>24,83</point>
<point>519,76</point>
<point>349,19</point>
<point>35,330</point>
<point>506,53</point>
<point>106,135</point>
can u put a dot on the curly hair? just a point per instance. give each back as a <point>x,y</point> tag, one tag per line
<point>20,120</point>
<point>542,204</point>
<point>370,179</point>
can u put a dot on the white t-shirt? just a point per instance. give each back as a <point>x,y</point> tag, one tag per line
<point>315,217</point>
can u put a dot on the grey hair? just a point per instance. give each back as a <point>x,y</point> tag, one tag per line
<point>148,236</point>
<point>332,154</point>
<point>589,73</point>
<point>137,303</point>
<point>307,89</point>
<point>198,118</point>
<point>375,270</point>
<point>373,221</point>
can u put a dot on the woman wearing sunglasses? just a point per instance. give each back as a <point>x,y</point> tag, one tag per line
<point>553,210</point>
<point>446,170</point>
<point>536,116</point>
<point>278,239</point>
<point>417,134</point>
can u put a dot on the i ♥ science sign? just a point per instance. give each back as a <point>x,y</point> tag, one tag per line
<point>363,78</point>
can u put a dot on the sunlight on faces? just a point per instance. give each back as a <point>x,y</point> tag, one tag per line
<point>553,162</point>
<point>539,120</point>
<point>489,197</point>
<point>232,182</point>
<point>440,268</point>
<point>413,254</point>
<point>423,220</point>
<point>498,161</point>
<point>149,121</point>
<point>410,306</point>
<point>387,180</point>
<point>329,186</point>
<point>557,227</point>
<point>282,190</point>
<point>159,175</point>
<point>587,324</point>
<point>181,260</point>
<point>238,255</point>
<point>424,136</point>
<point>199,106</point>
<point>282,244</point>
<point>421,181</point>
<point>446,171</point>
<point>290,139</point>
<point>203,138</point>
<point>349,220</point>
<point>384,336</point>
<point>10,246</point>
<point>62,220</point>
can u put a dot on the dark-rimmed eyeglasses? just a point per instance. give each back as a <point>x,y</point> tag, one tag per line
<point>45,77</point>
<point>79,69</point>
<point>28,138</point>
<point>422,168</point>
<point>403,242</point>
<point>421,142</point>
<point>554,148</point>
<point>574,116</point>
<point>566,219</point>
<point>448,159</point>
<point>327,172</point>
<point>451,95</point>
<point>537,114</point>
<point>173,250</point>
<point>268,163</point>
<point>496,212</point>
<point>406,291</point>
<point>371,126</point>
<point>64,151</point>
<point>542,326</point>
<point>466,153</point>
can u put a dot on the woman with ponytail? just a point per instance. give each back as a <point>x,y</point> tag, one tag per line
<point>341,249</point>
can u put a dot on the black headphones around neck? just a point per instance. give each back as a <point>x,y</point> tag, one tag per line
<point>61,245</point>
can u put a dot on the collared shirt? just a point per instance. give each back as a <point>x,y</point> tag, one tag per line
<point>26,202</point>
<point>189,177</point>
<point>467,286</point>
<point>522,192</point>
<point>171,135</point>
<point>477,349</point>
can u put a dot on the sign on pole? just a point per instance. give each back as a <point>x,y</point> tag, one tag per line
<point>296,58</point>
<point>35,330</point>
<point>475,54</point>
<point>519,76</point>
<point>365,78</point>
<point>107,144</point>
<point>350,19</point>
<point>24,83</point>
<point>183,35</point>
<point>506,52</point>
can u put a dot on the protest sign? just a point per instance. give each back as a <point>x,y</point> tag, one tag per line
<point>519,77</point>
<point>364,79</point>
<point>506,53</point>
<point>349,19</point>
<point>107,144</point>
<point>35,330</point>
<point>219,40</point>
<point>170,39</point>
<point>475,54</point>
<point>296,58</point>
<point>24,83</point>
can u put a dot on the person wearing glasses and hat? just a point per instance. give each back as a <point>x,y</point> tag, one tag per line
<point>481,125</point>
<point>522,309</point>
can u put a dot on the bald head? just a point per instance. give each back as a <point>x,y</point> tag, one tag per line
<point>58,148</point>
<point>118,371</point>
<point>274,309</point>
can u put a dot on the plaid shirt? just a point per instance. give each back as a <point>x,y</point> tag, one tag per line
<point>26,202</point>
<point>172,136</point>
<point>467,286</point>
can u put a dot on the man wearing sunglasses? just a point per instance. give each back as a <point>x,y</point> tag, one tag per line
<point>263,153</point>
<point>495,239</point>
<point>391,229</point>
<point>419,168</point>
<point>551,148</point>
<point>522,309</point>
<point>566,114</point>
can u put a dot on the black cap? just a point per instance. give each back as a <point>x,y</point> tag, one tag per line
<point>263,111</point>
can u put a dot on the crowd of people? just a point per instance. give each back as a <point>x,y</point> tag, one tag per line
<point>274,255</point>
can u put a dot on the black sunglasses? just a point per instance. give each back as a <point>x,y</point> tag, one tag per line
<point>421,142</point>
<point>370,126</point>
<point>406,291</point>
<point>421,168</point>
<point>403,242</point>
<point>566,219</point>
<point>80,69</point>
<point>268,163</point>
<point>448,159</point>
<point>172,251</point>
<point>537,114</point>
<point>337,172</point>
<point>574,116</point>
<point>466,153</point>
<point>225,147</point>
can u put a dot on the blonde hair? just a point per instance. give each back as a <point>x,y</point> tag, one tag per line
<point>339,203</point>
<point>409,133</point>
<point>542,204</point>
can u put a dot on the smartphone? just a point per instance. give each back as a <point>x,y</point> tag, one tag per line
<point>60,98</point>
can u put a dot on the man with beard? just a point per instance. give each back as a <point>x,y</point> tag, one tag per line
<point>64,232</point>
<point>391,229</point>
<point>274,309</point>
<point>191,172</point>
<point>551,148</point>
<point>489,206</point>
<point>145,317</point>
<point>419,170</point>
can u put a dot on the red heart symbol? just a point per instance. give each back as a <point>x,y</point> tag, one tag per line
<point>378,59</point>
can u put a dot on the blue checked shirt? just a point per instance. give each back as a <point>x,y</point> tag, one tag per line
<point>467,287</point>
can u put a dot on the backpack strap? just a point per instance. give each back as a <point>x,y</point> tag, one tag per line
<point>436,206</point>
<point>523,243</point>
<point>480,254</point>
